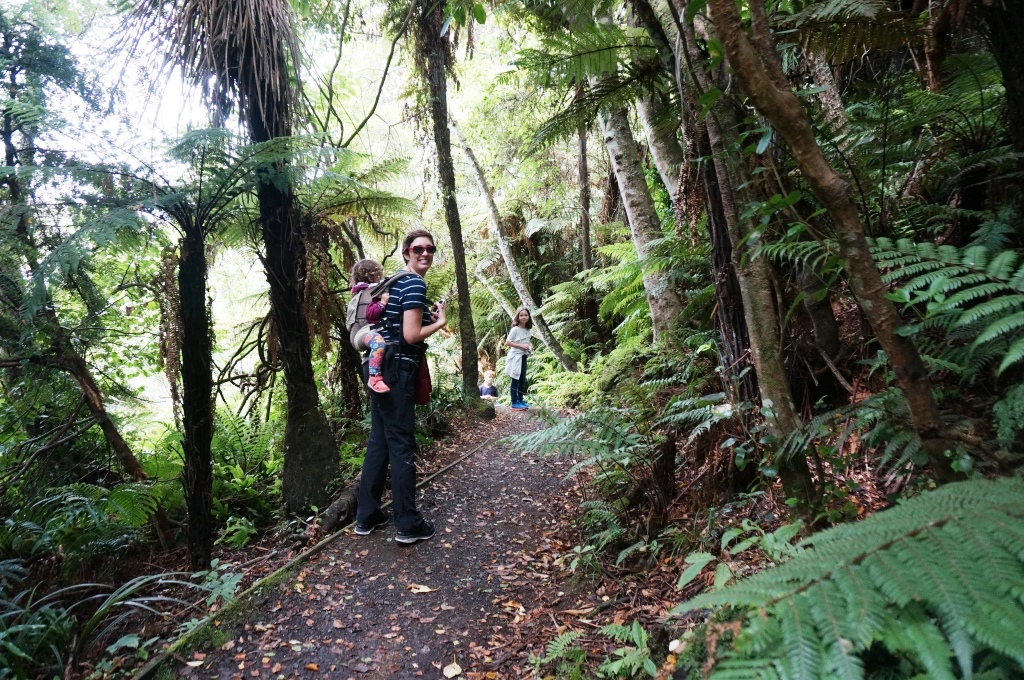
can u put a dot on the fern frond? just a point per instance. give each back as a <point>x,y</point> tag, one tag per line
<point>888,580</point>
<point>973,295</point>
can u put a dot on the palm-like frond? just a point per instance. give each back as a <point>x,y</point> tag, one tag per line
<point>569,58</point>
<point>846,29</point>
<point>905,579</point>
<point>231,49</point>
<point>972,295</point>
<point>607,64</point>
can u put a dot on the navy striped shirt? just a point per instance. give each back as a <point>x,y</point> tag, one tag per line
<point>409,292</point>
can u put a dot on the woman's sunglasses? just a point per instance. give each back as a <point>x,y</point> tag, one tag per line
<point>419,250</point>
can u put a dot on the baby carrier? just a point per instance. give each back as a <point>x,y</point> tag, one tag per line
<point>355,319</point>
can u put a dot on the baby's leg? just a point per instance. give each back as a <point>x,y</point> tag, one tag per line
<point>375,342</point>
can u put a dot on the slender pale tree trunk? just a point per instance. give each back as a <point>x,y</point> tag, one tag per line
<point>644,224</point>
<point>662,125</point>
<point>549,339</point>
<point>431,47</point>
<point>759,72</point>
<point>660,129</point>
<point>498,296</point>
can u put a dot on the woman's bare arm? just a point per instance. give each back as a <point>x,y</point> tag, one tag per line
<point>413,329</point>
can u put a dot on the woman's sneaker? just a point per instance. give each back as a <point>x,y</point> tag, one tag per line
<point>421,533</point>
<point>378,385</point>
<point>366,528</point>
<point>516,406</point>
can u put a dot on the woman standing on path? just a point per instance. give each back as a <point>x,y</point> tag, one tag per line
<point>515,363</point>
<point>409,320</point>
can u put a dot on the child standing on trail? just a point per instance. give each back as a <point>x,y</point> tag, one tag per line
<point>366,274</point>
<point>515,363</point>
<point>488,391</point>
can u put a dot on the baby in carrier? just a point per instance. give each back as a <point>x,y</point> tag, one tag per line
<point>365,275</point>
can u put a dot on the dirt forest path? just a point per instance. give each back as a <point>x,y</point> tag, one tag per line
<point>477,598</point>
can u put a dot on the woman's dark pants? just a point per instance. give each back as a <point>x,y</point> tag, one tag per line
<point>392,442</point>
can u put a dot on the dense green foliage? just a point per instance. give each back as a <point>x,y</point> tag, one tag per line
<point>673,414</point>
<point>905,581</point>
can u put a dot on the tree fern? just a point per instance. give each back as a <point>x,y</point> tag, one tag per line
<point>906,579</point>
<point>846,29</point>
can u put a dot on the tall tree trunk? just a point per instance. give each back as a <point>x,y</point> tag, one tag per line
<point>431,46</point>
<point>759,71</point>
<point>311,458</point>
<point>197,395</point>
<point>584,179</point>
<point>660,125</point>
<point>549,339</point>
<point>755,281</point>
<point>644,224</point>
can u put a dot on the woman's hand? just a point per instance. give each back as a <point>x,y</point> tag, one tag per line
<point>412,323</point>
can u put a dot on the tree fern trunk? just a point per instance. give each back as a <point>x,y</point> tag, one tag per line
<point>197,395</point>
<point>549,339</point>
<point>310,451</point>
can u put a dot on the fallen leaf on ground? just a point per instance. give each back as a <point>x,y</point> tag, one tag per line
<point>452,669</point>
<point>312,666</point>
<point>417,588</point>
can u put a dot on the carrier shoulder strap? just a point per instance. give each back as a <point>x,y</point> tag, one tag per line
<point>388,282</point>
